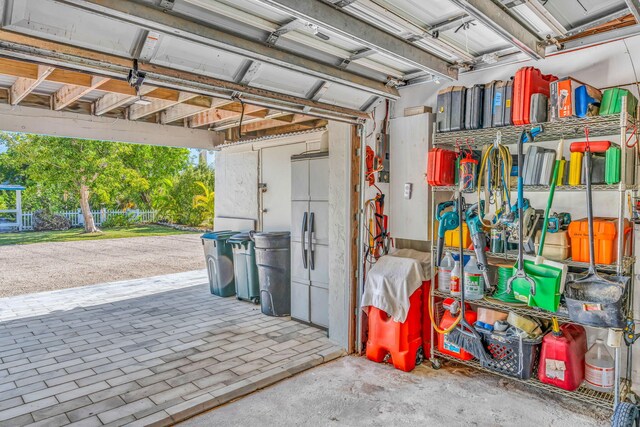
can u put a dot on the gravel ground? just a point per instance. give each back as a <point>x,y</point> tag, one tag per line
<point>353,391</point>
<point>43,267</point>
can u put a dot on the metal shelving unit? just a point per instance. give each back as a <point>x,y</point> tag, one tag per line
<point>569,128</point>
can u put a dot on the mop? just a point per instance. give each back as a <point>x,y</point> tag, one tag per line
<point>465,336</point>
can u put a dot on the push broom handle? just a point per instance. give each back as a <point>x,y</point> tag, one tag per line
<point>592,268</point>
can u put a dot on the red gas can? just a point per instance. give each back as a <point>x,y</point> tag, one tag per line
<point>401,342</point>
<point>528,81</point>
<point>562,357</point>
<point>427,330</point>
<point>447,320</point>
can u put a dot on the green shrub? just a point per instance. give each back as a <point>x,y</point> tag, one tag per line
<point>124,220</point>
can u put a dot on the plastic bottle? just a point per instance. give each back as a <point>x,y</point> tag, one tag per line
<point>473,280</point>
<point>599,373</point>
<point>456,282</point>
<point>444,272</point>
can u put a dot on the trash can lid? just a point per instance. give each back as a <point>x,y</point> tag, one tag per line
<point>240,238</point>
<point>218,235</point>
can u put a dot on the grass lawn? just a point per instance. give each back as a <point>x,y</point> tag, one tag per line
<point>74,234</point>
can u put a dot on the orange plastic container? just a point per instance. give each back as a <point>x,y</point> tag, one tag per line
<point>446,347</point>
<point>399,341</point>
<point>605,244</point>
<point>427,330</point>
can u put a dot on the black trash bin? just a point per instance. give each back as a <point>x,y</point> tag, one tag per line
<point>274,272</point>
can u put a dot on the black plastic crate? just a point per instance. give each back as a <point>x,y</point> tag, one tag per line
<point>511,355</point>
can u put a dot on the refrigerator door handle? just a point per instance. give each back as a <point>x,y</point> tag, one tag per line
<point>304,245</point>
<point>311,227</point>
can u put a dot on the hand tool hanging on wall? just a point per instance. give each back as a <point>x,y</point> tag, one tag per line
<point>465,336</point>
<point>377,222</point>
<point>447,221</point>
<point>494,173</point>
<point>478,237</point>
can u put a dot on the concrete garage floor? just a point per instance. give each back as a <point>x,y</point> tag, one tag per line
<point>352,391</point>
<point>40,267</point>
<point>141,352</point>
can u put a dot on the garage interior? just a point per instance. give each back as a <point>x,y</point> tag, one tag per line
<point>316,109</point>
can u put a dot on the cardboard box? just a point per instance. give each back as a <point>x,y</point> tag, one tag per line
<point>563,98</point>
<point>414,111</point>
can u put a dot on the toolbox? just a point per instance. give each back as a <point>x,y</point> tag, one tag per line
<point>612,165</point>
<point>539,108</point>
<point>452,237</point>
<point>575,168</point>
<point>587,100</point>
<point>548,163</point>
<point>502,101</point>
<point>605,232</point>
<point>612,101</point>
<point>488,102</point>
<point>458,98</point>
<point>443,113</point>
<point>557,246</point>
<point>441,167</point>
<point>597,169</point>
<point>528,81</point>
<point>473,107</point>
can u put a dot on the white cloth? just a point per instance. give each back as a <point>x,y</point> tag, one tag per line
<point>392,280</point>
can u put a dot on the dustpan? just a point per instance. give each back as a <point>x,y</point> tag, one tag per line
<point>593,299</point>
<point>549,276</point>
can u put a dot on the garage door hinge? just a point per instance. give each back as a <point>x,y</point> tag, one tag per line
<point>167,4</point>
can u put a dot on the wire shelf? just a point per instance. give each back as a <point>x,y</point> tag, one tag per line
<point>584,394</point>
<point>627,262</point>
<point>546,188</point>
<point>568,128</point>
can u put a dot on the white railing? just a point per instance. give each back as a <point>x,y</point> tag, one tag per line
<point>77,220</point>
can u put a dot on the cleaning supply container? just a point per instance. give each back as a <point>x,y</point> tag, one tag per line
<point>605,234</point>
<point>452,237</point>
<point>557,246</point>
<point>448,318</point>
<point>456,281</point>
<point>219,259</point>
<point>245,268</point>
<point>599,368</point>
<point>273,258</point>
<point>473,280</point>
<point>399,343</point>
<point>444,272</point>
<point>562,356</point>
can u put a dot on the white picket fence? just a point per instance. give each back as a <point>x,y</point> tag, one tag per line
<point>77,220</point>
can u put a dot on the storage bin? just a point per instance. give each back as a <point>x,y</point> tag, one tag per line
<point>511,355</point>
<point>557,246</point>
<point>605,244</point>
<point>612,165</point>
<point>399,343</point>
<point>575,168</point>
<point>612,102</point>
<point>452,237</point>
<point>441,167</point>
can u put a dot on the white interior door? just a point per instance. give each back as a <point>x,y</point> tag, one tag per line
<point>275,171</point>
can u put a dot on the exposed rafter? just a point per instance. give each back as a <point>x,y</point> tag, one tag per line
<point>139,111</point>
<point>503,24</point>
<point>214,115</point>
<point>71,93</point>
<point>111,100</point>
<point>23,86</point>
<point>156,20</point>
<point>337,21</point>
<point>273,123</point>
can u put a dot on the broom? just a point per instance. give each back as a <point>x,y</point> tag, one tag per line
<point>465,336</point>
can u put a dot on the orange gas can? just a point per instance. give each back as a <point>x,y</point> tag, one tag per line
<point>605,231</point>
<point>400,342</point>
<point>447,320</point>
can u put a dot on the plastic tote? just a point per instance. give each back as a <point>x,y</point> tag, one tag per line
<point>219,259</point>
<point>273,258</point>
<point>245,269</point>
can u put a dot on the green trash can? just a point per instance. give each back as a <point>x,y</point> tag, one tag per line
<point>219,259</point>
<point>244,266</point>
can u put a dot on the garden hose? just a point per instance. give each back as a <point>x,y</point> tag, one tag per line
<point>433,322</point>
<point>496,175</point>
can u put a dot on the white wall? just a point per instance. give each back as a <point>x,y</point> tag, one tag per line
<point>602,66</point>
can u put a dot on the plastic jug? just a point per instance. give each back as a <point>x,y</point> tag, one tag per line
<point>562,357</point>
<point>599,372</point>
<point>444,272</point>
<point>444,345</point>
<point>456,282</point>
<point>473,280</point>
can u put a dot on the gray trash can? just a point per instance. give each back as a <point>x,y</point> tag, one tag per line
<point>244,265</point>
<point>219,258</point>
<point>274,272</point>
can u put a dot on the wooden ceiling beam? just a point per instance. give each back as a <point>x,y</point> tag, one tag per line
<point>187,110</point>
<point>71,93</point>
<point>23,86</point>
<point>139,111</point>
<point>272,123</point>
<point>214,115</point>
<point>112,100</point>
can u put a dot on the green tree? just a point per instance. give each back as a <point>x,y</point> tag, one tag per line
<point>205,202</point>
<point>88,171</point>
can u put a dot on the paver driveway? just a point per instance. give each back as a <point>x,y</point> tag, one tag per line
<point>144,351</point>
